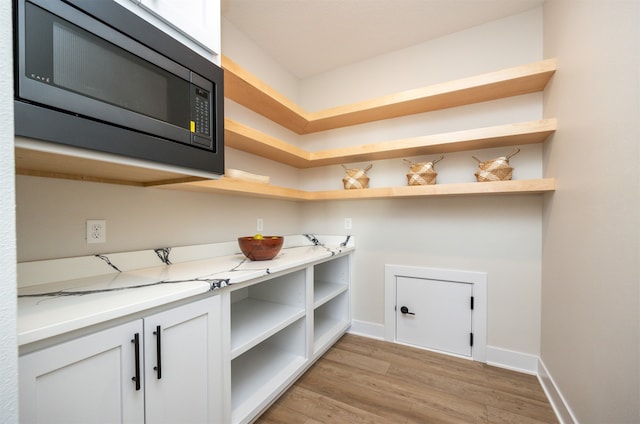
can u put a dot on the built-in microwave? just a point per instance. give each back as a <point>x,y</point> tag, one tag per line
<point>92,74</point>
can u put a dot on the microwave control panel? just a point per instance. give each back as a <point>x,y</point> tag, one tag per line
<point>200,124</point>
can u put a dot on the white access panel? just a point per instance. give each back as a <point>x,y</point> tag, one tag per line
<point>434,314</point>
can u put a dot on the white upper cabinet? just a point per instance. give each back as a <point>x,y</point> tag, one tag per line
<point>195,23</point>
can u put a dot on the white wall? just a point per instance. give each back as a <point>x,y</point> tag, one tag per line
<point>242,50</point>
<point>51,217</point>
<point>500,235</point>
<point>507,42</point>
<point>8,338</point>
<point>591,255</point>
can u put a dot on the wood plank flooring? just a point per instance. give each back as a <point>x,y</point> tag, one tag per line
<point>362,380</point>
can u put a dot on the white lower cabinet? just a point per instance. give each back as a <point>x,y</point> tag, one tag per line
<point>183,368</point>
<point>279,327</point>
<point>161,368</point>
<point>223,359</point>
<point>88,379</point>
<point>268,341</point>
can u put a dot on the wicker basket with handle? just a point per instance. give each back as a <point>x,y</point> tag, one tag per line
<point>422,173</point>
<point>497,169</point>
<point>356,178</point>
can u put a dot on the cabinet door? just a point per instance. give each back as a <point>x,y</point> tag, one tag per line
<point>197,19</point>
<point>86,380</point>
<point>183,367</point>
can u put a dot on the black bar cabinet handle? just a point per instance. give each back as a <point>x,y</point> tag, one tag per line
<point>136,342</point>
<point>158,367</point>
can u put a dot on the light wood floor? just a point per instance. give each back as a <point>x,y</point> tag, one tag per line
<point>361,380</point>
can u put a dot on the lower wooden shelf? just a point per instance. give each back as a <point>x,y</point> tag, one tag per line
<point>53,165</point>
<point>237,187</point>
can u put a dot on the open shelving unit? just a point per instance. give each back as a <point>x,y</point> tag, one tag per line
<point>247,90</point>
<point>264,371</point>
<point>329,320</point>
<point>268,340</point>
<point>324,291</point>
<point>331,312</point>
<point>279,326</point>
<point>255,320</point>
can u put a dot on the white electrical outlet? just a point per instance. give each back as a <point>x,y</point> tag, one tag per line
<point>96,231</point>
<point>259,224</point>
<point>347,223</point>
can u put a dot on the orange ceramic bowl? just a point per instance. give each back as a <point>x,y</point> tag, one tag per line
<point>260,250</point>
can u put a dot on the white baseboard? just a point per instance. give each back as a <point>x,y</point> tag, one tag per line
<point>498,357</point>
<point>509,359</point>
<point>367,329</point>
<point>559,405</point>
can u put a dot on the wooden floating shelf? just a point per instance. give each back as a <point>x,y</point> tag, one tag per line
<point>56,165</point>
<point>237,187</point>
<point>52,165</point>
<point>246,139</point>
<point>240,187</point>
<point>252,141</point>
<point>249,91</point>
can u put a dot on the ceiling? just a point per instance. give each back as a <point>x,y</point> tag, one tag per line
<point>309,37</point>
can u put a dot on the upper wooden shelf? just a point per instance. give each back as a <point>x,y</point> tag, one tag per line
<point>252,141</point>
<point>247,90</point>
<point>238,187</point>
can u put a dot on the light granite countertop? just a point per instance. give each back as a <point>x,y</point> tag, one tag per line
<point>62,295</point>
